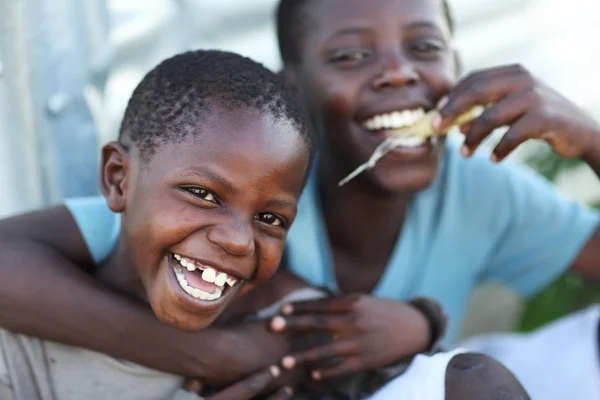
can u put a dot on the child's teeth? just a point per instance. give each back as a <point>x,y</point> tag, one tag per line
<point>177,257</point>
<point>221,279</point>
<point>183,262</point>
<point>394,120</point>
<point>231,281</point>
<point>190,267</point>
<point>209,274</point>
<point>195,292</point>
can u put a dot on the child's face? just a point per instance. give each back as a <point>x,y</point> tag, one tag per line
<point>360,59</point>
<point>223,200</point>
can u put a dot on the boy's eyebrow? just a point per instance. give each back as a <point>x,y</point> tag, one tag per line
<point>279,203</point>
<point>423,24</point>
<point>206,173</point>
<point>359,30</point>
<point>350,31</point>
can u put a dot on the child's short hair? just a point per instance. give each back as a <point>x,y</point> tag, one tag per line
<point>290,25</point>
<point>169,102</point>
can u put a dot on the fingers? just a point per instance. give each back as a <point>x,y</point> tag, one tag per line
<point>481,88</point>
<point>193,385</point>
<point>321,353</point>
<point>504,112</point>
<point>326,306</point>
<point>349,366</point>
<point>524,129</point>
<point>308,323</point>
<point>249,387</point>
<point>282,394</point>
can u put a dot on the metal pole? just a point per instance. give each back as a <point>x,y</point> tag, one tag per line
<point>54,56</point>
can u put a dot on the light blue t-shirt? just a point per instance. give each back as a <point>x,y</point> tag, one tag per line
<point>477,222</point>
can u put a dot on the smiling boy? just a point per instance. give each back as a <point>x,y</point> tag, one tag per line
<point>210,162</point>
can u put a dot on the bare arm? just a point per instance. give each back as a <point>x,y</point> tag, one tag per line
<point>44,293</point>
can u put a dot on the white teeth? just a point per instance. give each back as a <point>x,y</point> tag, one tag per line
<point>195,292</point>
<point>410,141</point>
<point>231,281</point>
<point>190,267</point>
<point>177,257</point>
<point>394,120</point>
<point>183,262</point>
<point>221,279</point>
<point>209,274</point>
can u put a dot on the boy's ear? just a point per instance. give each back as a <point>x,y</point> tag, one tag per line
<point>113,175</point>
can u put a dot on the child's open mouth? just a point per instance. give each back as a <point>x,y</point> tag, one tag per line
<point>200,281</point>
<point>388,123</point>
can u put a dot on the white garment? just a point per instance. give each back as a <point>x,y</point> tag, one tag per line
<point>424,380</point>
<point>559,361</point>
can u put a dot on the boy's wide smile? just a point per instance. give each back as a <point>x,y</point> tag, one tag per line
<point>196,292</point>
<point>201,280</point>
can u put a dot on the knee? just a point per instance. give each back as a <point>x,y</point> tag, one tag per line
<point>477,376</point>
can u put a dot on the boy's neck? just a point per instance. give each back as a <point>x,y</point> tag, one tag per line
<point>362,224</point>
<point>118,272</point>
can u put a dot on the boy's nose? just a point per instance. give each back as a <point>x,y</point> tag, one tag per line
<point>396,71</point>
<point>235,237</point>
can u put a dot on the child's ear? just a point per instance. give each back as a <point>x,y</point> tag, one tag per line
<point>113,175</point>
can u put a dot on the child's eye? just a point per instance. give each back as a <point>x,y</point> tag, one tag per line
<point>348,55</point>
<point>427,47</point>
<point>202,193</point>
<point>270,219</point>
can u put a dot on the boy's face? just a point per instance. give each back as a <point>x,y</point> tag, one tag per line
<point>221,202</point>
<point>361,61</point>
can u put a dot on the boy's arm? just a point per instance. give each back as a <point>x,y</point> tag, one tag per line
<point>44,294</point>
<point>53,228</point>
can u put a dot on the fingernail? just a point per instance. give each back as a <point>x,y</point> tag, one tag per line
<point>278,324</point>
<point>288,362</point>
<point>275,371</point>
<point>287,309</point>
<point>193,385</point>
<point>442,103</point>
<point>495,158</point>
<point>436,122</point>
<point>316,375</point>
<point>465,151</point>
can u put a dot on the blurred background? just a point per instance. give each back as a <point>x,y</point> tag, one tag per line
<point>67,68</point>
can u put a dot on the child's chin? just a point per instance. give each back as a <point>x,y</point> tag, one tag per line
<point>186,321</point>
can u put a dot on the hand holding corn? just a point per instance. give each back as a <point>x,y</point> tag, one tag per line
<point>515,99</point>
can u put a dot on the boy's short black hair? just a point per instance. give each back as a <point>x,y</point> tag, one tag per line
<point>290,25</point>
<point>170,101</point>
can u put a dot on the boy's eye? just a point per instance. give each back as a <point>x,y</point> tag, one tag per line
<point>348,55</point>
<point>202,193</point>
<point>269,219</point>
<point>427,47</point>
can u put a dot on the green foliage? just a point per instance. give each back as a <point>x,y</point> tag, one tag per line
<point>568,293</point>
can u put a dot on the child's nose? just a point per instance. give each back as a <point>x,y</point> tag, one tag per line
<point>396,71</point>
<point>236,237</point>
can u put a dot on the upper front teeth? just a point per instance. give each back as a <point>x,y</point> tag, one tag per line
<point>394,120</point>
<point>209,274</point>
